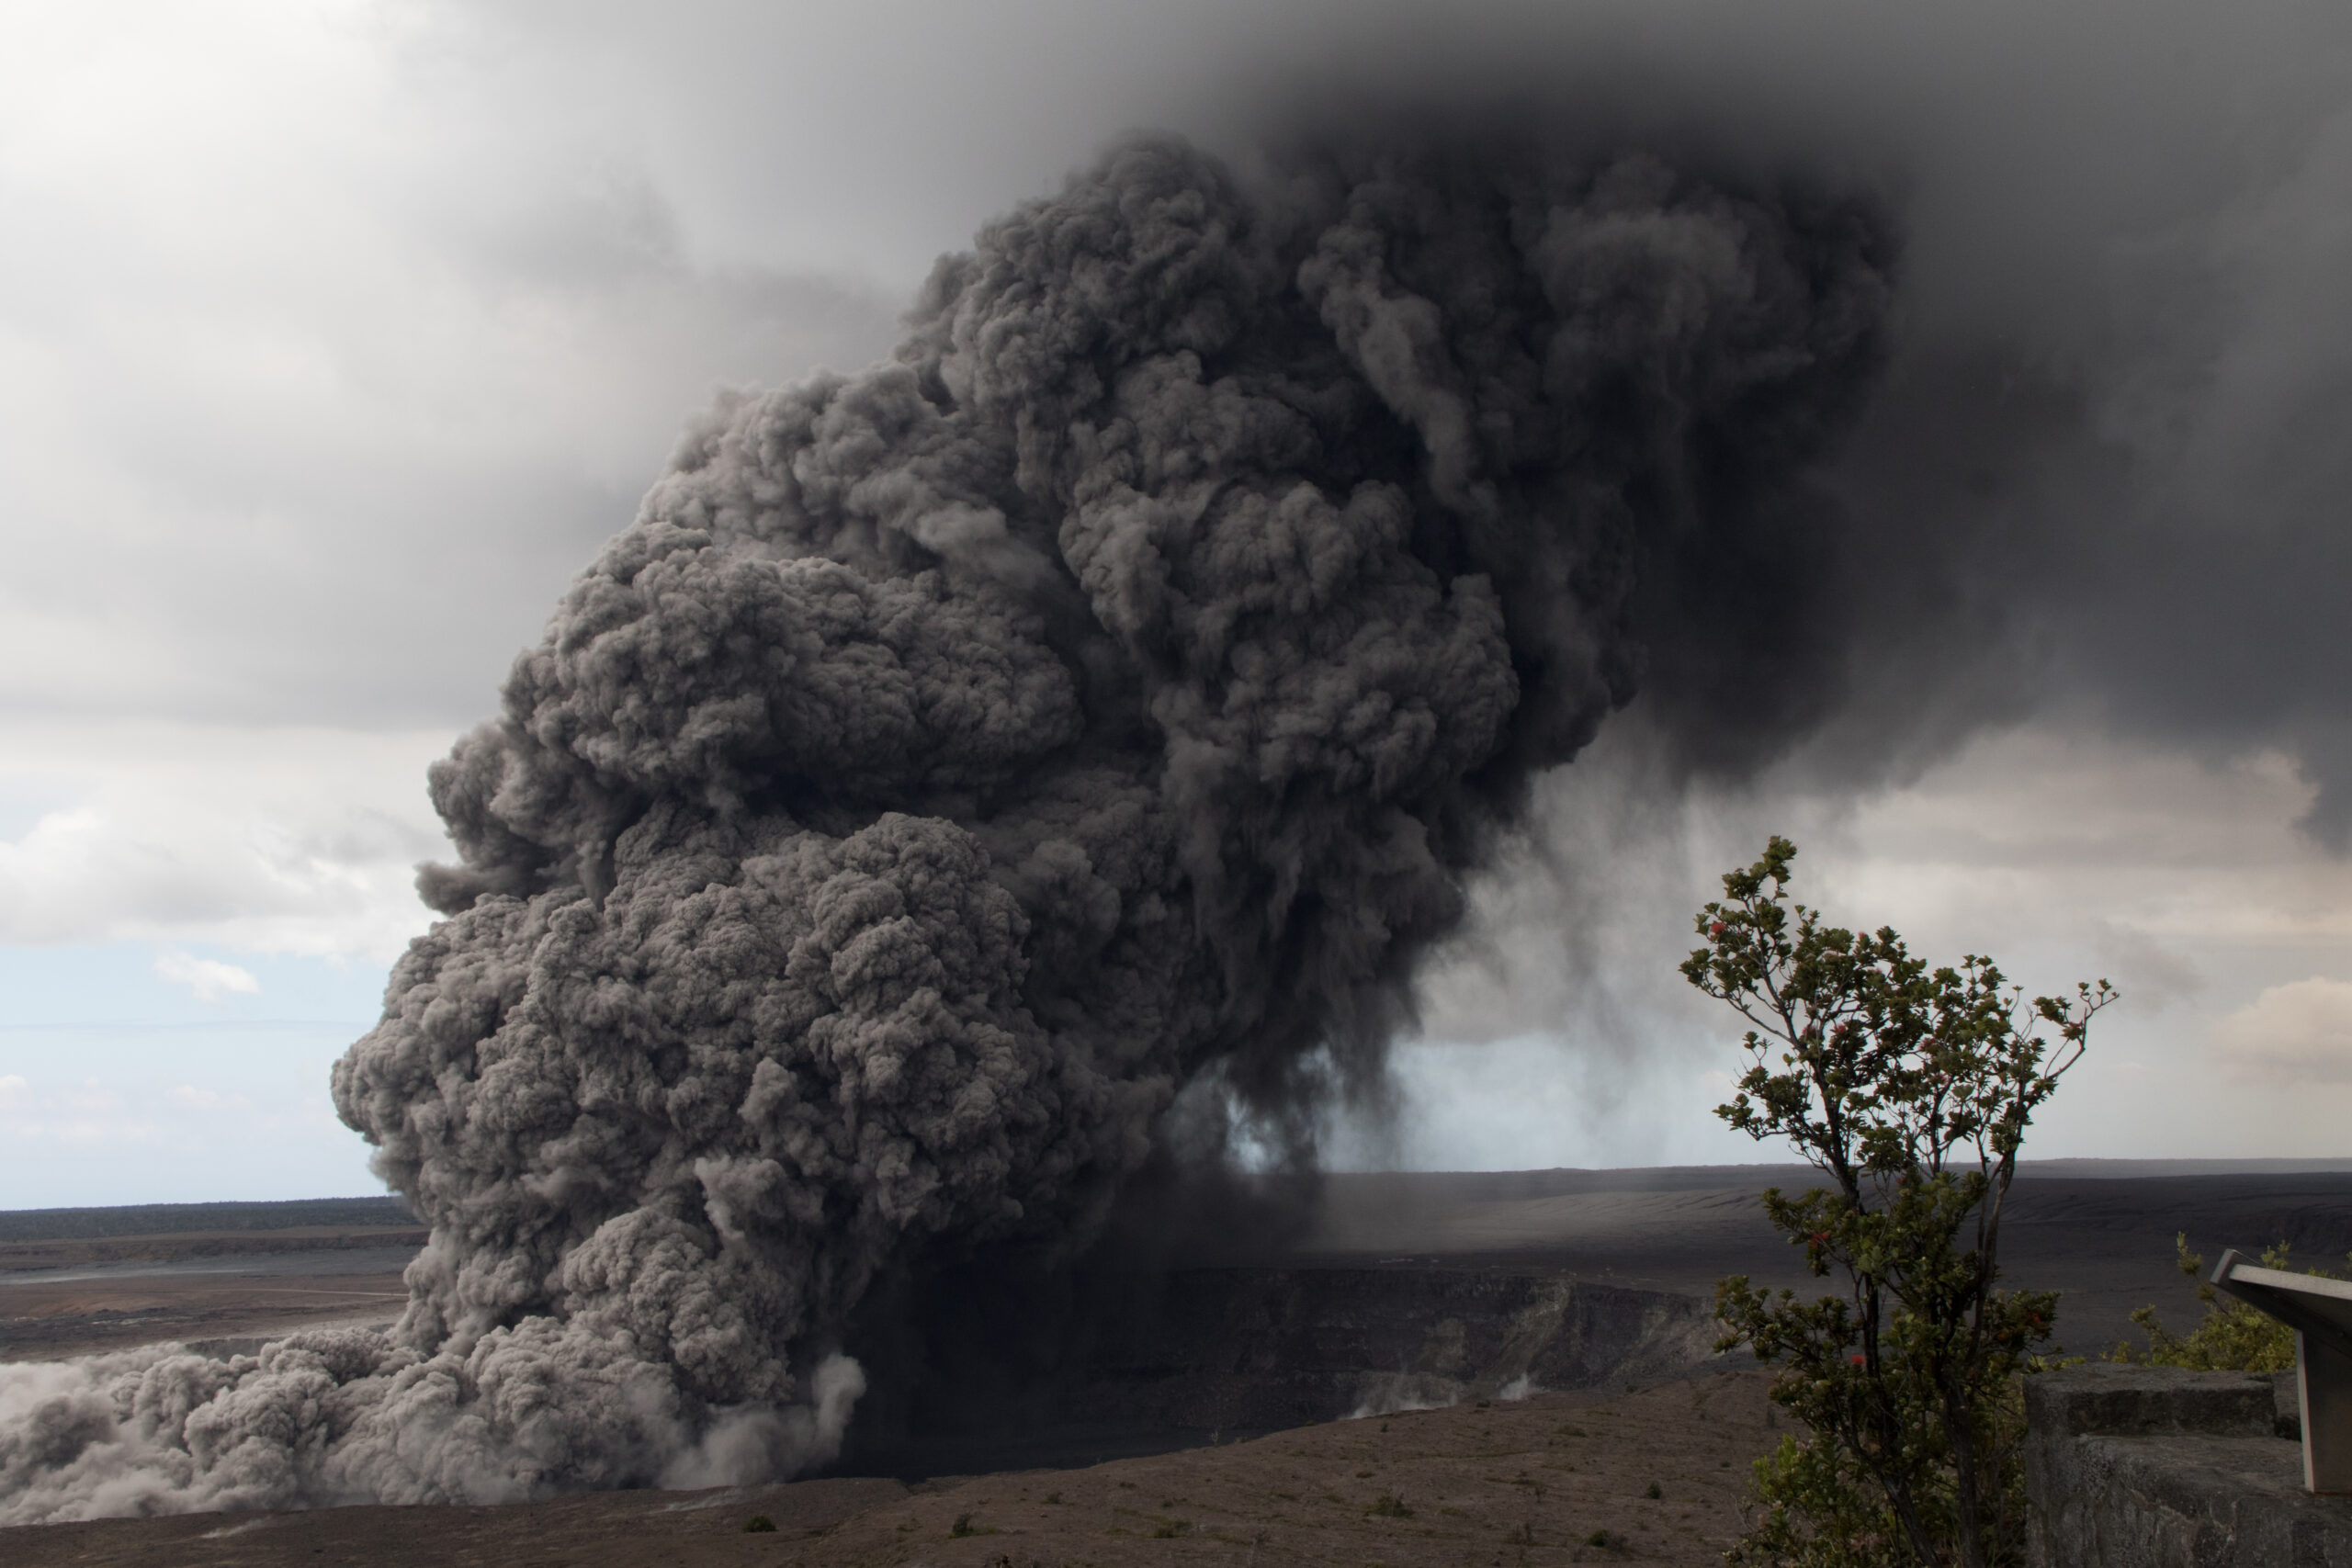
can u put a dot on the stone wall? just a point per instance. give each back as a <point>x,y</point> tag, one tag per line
<point>2151,1467</point>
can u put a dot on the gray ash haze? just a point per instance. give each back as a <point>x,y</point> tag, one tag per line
<point>1357,571</point>
<point>955,760</point>
<point>353,328</point>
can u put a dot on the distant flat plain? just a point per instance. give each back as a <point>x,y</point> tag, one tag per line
<point>78,1280</point>
<point>2101,1232</point>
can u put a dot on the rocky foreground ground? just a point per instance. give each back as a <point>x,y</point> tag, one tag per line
<point>1654,1475</point>
<point>1559,1478</point>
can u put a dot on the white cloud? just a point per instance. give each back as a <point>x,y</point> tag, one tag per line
<point>342,351</point>
<point>2300,1033</point>
<point>270,839</point>
<point>349,338</point>
<point>81,1114</point>
<point>148,1138</point>
<point>2065,855</point>
<point>197,1098</point>
<point>2038,830</point>
<point>207,978</point>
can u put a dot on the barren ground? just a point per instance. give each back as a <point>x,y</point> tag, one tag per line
<point>2099,1232</point>
<point>1554,1479</point>
<point>73,1297</point>
<point>1537,1482</point>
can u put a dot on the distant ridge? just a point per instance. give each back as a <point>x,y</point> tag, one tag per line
<point>2136,1169</point>
<point>163,1218</point>
<point>1560,1180</point>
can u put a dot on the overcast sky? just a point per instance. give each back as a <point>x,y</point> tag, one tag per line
<point>334,337</point>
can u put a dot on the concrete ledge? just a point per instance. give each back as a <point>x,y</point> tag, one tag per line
<point>2150,1467</point>
<point>2136,1402</point>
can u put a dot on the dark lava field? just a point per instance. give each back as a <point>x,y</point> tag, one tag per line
<point>1552,1326</point>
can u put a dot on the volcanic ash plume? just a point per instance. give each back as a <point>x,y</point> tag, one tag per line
<point>956,759</point>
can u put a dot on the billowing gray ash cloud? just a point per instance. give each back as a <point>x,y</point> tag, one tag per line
<point>957,759</point>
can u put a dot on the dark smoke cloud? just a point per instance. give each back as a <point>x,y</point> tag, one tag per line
<point>2102,485</point>
<point>955,760</point>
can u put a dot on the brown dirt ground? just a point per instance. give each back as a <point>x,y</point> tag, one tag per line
<point>45,1319</point>
<point>73,1252</point>
<point>1554,1479</point>
<point>44,1322</point>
